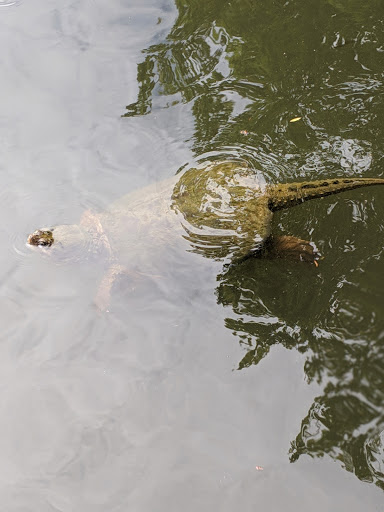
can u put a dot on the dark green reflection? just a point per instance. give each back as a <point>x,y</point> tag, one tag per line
<point>255,64</point>
<point>336,321</point>
<point>252,65</point>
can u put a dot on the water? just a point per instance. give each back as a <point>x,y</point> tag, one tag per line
<point>257,386</point>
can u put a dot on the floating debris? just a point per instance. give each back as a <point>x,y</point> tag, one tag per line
<point>294,119</point>
<point>244,132</point>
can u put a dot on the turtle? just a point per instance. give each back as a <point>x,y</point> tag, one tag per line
<point>222,209</point>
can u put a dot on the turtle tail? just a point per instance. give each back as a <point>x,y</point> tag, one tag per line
<point>290,194</point>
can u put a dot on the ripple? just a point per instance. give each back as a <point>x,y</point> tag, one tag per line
<point>19,244</point>
<point>262,161</point>
<point>5,3</point>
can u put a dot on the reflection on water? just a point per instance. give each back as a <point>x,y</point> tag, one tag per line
<point>254,65</point>
<point>246,68</point>
<point>340,331</point>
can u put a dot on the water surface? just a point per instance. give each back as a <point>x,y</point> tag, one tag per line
<point>204,386</point>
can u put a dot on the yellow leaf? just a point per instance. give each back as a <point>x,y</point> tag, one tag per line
<point>295,119</point>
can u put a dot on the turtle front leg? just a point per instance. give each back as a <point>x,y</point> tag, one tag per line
<point>290,248</point>
<point>103,295</point>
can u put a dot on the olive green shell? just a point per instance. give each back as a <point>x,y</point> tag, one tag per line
<point>224,208</point>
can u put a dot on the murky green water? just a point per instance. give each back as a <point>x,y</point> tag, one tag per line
<point>205,386</point>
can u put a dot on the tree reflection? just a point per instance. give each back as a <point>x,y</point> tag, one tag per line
<point>343,342</point>
<point>252,65</point>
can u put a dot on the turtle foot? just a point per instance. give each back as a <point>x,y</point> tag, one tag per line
<point>291,248</point>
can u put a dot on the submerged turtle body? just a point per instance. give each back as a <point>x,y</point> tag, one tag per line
<point>223,210</point>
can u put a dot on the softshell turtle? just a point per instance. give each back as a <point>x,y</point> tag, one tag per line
<point>222,210</point>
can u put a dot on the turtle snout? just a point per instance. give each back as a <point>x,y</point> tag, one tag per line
<point>41,238</point>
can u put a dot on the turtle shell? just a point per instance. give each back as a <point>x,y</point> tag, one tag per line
<point>224,208</point>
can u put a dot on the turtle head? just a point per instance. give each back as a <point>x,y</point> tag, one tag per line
<point>41,238</point>
<point>67,242</point>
